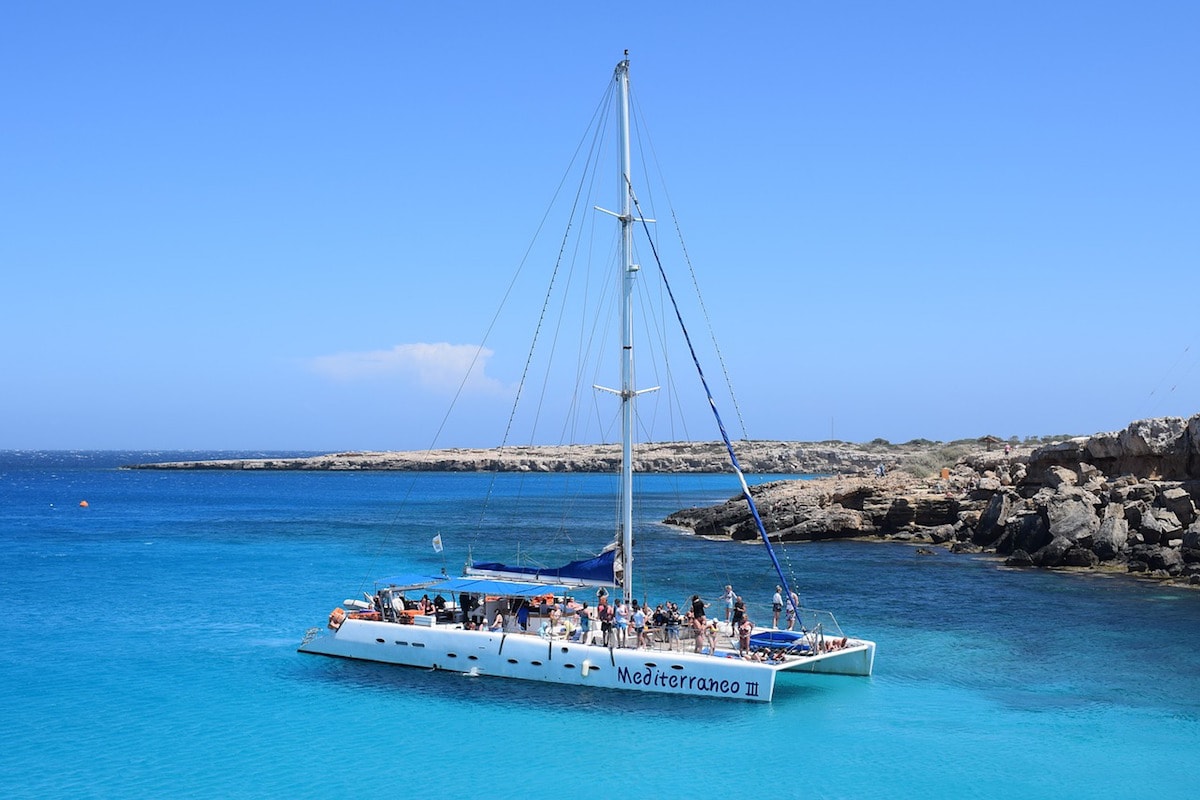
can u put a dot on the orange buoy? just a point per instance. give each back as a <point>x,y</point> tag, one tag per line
<point>83,503</point>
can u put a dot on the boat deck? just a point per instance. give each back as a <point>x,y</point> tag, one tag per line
<point>658,639</point>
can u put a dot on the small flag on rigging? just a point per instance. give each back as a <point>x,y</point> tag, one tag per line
<point>437,543</point>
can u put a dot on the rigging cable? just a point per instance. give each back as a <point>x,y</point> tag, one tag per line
<point>687,259</point>
<point>646,145</point>
<point>601,110</point>
<point>1150,403</point>
<point>733,460</point>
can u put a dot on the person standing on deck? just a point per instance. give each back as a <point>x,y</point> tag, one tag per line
<point>605,612</point>
<point>791,611</point>
<point>523,615</point>
<point>739,614</point>
<point>728,596</point>
<point>744,630</point>
<point>674,621</point>
<point>776,606</point>
<point>585,624</point>
<point>621,620</point>
<point>698,621</point>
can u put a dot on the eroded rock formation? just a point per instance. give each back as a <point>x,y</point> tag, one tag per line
<point>1118,501</point>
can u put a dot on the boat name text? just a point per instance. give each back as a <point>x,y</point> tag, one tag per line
<point>673,680</point>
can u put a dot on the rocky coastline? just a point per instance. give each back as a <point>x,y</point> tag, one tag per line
<point>772,457</point>
<point>1116,502</point>
<point>1112,502</point>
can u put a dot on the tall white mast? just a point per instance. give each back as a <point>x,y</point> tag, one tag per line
<point>629,271</point>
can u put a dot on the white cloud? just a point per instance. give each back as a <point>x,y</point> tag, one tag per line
<point>439,366</point>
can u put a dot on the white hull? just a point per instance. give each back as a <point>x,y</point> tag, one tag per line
<point>528,657</point>
<point>858,658</point>
<point>532,658</point>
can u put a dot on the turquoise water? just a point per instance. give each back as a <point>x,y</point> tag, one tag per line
<point>151,653</point>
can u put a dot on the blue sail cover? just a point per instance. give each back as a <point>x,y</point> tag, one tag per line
<point>596,571</point>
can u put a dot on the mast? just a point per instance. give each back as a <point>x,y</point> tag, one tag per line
<point>628,272</point>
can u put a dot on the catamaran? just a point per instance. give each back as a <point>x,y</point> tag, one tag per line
<point>498,620</point>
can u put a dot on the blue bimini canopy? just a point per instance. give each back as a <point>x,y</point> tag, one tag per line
<point>501,587</point>
<point>410,580</point>
<point>469,585</point>
<point>596,571</point>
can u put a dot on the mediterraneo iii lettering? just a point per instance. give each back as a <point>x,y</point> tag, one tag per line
<point>662,679</point>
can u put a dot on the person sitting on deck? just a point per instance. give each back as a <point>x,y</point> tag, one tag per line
<point>498,622</point>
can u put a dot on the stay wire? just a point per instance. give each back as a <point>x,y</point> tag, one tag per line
<point>649,146</point>
<point>596,126</point>
<point>402,506</point>
<point>733,459</point>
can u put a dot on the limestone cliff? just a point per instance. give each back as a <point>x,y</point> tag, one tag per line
<point>1118,501</point>
<point>754,456</point>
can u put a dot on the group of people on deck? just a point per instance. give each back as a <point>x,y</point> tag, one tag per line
<point>610,623</point>
<point>617,623</point>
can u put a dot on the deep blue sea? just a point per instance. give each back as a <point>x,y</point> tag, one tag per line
<point>152,653</point>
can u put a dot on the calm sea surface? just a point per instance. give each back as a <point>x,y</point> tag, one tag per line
<point>152,653</point>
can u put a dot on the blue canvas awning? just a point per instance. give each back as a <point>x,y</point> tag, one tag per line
<point>595,571</point>
<point>468,585</point>
<point>413,579</point>
<point>493,586</point>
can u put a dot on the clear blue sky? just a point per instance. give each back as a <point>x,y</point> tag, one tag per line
<point>921,219</point>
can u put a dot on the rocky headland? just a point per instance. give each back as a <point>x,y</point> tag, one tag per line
<point>754,456</point>
<point>1117,502</point>
<point>1123,501</point>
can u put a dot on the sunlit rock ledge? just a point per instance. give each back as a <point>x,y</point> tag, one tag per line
<point>1118,502</point>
